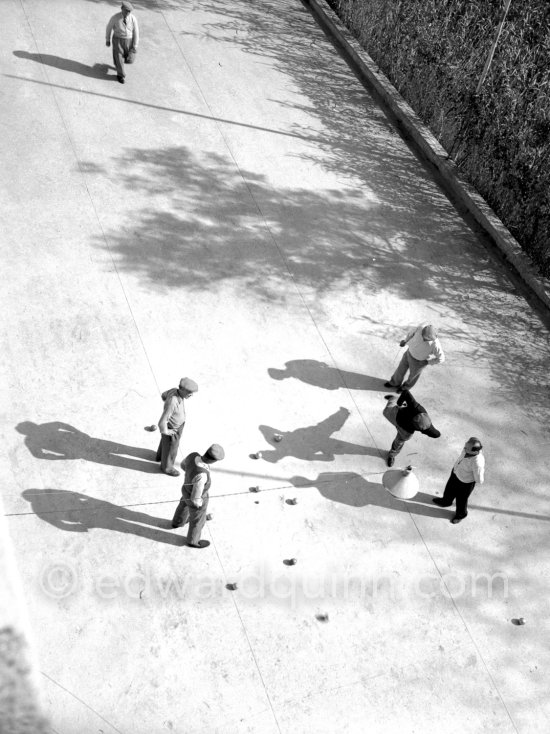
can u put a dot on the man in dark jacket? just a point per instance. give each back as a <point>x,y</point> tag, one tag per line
<point>194,493</point>
<point>171,424</point>
<point>408,416</point>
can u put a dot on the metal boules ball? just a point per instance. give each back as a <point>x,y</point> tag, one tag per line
<point>290,561</point>
<point>254,489</point>
<point>151,428</point>
<point>210,516</point>
<point>292,501</point>
<point>277,437</point>
<point>256,455</point>
<point>232,586</point>
<point>322,617</point>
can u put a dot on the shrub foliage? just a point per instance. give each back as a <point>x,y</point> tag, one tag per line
<point>434,52</point>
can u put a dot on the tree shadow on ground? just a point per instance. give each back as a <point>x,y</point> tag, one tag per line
<point>387,228</point>
<point>313,443</point>
<point>79,513</point>
<point>58,441</point>
<point>352,489</point>
<point>97,71</point>
<point>320,374</point>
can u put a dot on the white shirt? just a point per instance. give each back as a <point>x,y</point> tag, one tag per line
<point>121,29</point>
<point>422,350</point>
<point>470,468</point>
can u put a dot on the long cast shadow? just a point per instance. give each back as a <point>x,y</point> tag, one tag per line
<point>320,374</point>
<point>313,443</point>
<point>97,71</point>
<point>352,489</point>
<point>79,513</point>
<point>58,441</point>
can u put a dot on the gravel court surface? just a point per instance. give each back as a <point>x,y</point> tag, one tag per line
<point>241,211</point>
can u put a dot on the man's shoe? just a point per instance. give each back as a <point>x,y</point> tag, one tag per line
<point>178,525</point>
<point>121,79</point>
<point>389,384</point>
<point>456,520</point>
<point>390,461</point>
<point>200,544</point>
<point>172,472</point>
<point>388,397</point>
<point>439,501</point>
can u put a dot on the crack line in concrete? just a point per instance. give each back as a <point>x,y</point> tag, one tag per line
<point>81,701</point>
<point>469,633</point>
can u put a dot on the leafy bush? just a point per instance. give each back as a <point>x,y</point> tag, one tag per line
<point>434,51</point>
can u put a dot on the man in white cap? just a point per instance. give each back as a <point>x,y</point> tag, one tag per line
<point>171,424</point>
<point>424,348</point>
<point>194,493</point>
<point>124,29</point>
<point>469,468</point>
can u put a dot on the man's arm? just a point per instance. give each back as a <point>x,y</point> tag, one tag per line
<point>409,336</point>
<point>135,35</point>
<point>199,483</point>
<point>406,397</point>
<point>437,356</point>
<point>109,30</point>
<point>479,469</point>
<point>165,417</point>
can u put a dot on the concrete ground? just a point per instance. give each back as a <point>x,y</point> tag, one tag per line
<point>241,212</point>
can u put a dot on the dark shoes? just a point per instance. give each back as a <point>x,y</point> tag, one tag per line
<point>456,520</point>
<point>121,79</point>
<point>440,501</point>
<point>200,544</point>
<point>177,525</point>
<point>171,472</point>
<point>389,384</point>
<point>388,397</point>
<point>390,461</point>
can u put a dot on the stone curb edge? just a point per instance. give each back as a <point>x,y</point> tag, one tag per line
<point>427,145</point>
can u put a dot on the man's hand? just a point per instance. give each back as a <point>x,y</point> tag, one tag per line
<point>402,343</point>
<point>169,432</point>
<point>107,43</point>
<point>197,504</point>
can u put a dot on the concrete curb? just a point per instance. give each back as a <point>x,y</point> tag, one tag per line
<point>429,148</point>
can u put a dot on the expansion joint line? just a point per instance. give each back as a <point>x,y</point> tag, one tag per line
<point>468,631</point>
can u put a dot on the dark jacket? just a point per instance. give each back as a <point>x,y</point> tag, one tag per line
<point>409,408</point>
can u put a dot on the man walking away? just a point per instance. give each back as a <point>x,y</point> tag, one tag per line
<point>469,468</point>
<point>408,416</point>
<point>424,349</point>
<point>124,29</point>
<point>194,494</point>
<point>171,424</point>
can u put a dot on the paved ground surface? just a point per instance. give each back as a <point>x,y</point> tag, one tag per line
<point>241,212</point>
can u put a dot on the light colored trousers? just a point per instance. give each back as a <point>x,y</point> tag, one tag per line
<point>414,366</point>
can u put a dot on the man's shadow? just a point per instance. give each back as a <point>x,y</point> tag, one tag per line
<point>57,441</point>
<point>97,71</point>
<point>352,489</point>
<point>78,513</point>
<point>319,374</point>
<point>313,443</point>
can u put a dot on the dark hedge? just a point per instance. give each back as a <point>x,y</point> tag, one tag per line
<point>434,51</point>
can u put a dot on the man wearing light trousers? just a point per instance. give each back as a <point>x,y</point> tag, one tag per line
<point>124,30</point>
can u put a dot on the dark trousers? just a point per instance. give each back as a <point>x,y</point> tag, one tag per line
<point>122,54</point>
<point>196,516</point>
<point>459,491</point>
<point>167,452</point>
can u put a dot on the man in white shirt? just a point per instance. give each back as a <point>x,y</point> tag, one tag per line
<point>124,29</point>
<point>194,493</point>
<point>469,468</point>
<point>424,348</point>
